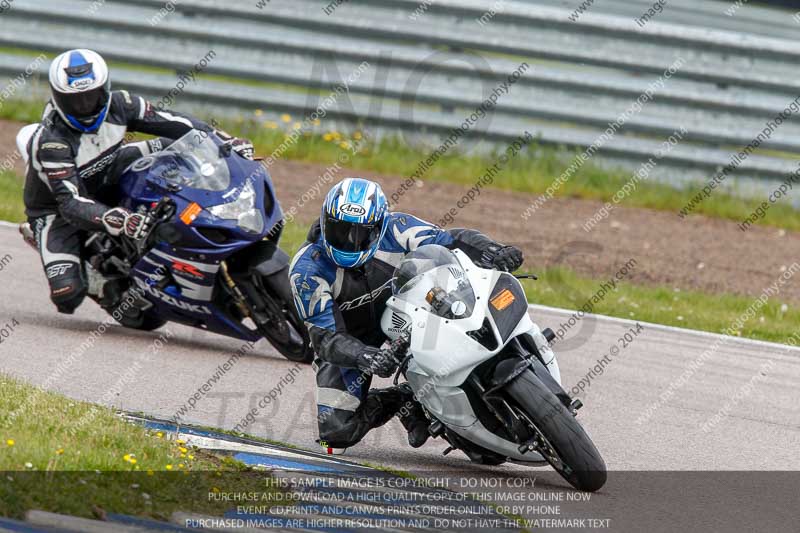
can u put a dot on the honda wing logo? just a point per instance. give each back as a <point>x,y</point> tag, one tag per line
<point>456,272</point>
<point>398,324</point>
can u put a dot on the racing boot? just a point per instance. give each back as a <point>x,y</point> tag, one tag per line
<point>27,234</point>
<point>413,418</point>
<point>339,428</point>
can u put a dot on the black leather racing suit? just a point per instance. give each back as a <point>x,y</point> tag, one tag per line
<point>71,173</point>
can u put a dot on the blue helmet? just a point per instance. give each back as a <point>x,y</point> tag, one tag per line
<point>353,221</point>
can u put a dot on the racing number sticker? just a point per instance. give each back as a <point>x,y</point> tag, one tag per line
<point>502,300</point>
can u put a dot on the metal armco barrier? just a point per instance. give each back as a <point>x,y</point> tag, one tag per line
<point>432,63</point>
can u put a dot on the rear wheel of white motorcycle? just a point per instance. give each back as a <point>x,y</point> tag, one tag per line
<point>576,458</point>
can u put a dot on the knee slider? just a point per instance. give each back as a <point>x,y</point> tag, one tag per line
<point>67,292</point>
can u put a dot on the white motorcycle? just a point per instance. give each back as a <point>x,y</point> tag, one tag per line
<point>482,370</point>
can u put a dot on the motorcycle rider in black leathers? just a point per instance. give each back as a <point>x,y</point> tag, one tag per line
<point>341,279</point>
<point>75,157</point>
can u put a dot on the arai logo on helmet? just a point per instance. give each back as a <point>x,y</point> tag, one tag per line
<point>353,210</point>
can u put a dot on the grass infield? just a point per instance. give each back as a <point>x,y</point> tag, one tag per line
<point>66,456</point>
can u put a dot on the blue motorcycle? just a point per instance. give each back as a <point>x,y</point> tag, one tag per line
<point>210,258</point>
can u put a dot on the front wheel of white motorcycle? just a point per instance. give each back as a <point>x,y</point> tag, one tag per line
<point>571,452</point>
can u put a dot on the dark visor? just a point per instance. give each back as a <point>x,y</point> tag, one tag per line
<point>84,105</point>
<point>351,236</point>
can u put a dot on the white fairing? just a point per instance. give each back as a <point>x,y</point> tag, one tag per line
<point>23,137</point>
<point>444,355</point>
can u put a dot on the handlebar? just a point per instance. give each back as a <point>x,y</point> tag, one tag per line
<point>401,368</point>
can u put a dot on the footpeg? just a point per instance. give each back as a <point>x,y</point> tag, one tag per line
<point>448,450</point>
<point>575,405</point>
<point>529,446</point>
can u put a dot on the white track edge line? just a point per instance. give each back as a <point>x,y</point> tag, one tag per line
<point>673,329</point>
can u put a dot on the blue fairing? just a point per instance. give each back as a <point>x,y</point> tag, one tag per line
<point>179,277</point>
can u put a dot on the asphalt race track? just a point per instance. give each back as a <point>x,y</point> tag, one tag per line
<point>751,385</point>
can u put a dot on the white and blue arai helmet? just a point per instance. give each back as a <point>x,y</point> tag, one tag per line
<point>353,221</point>
<point>81,89</point>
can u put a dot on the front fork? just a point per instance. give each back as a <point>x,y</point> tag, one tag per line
<point>541,340</point>
<point>538,341</point>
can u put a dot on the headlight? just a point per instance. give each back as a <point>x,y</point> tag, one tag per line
<point>242,210</point>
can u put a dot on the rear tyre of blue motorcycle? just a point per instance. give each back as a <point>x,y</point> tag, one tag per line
<point>586,469</point>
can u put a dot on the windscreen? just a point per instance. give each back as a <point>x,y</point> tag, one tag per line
<point>432,275</point>
<point>194,161</point>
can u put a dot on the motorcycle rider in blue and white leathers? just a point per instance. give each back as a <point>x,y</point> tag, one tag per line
<point>341,279</point>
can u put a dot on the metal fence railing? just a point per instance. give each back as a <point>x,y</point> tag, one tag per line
<point>430,64</point>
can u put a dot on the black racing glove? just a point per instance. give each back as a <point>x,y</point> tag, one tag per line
<point>120,221</point>
<point>243,147</point>
<point>378,363</point>
<point>399,346</point>
<point>501,257</point>
<point>384,362</point>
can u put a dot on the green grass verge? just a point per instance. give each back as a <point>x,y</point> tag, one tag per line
<point>11,206</point>
<point>530,172</point>
<point>65,456</point>
<point>558,287</point>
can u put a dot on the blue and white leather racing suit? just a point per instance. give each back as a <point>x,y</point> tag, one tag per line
<point>343,308</point>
